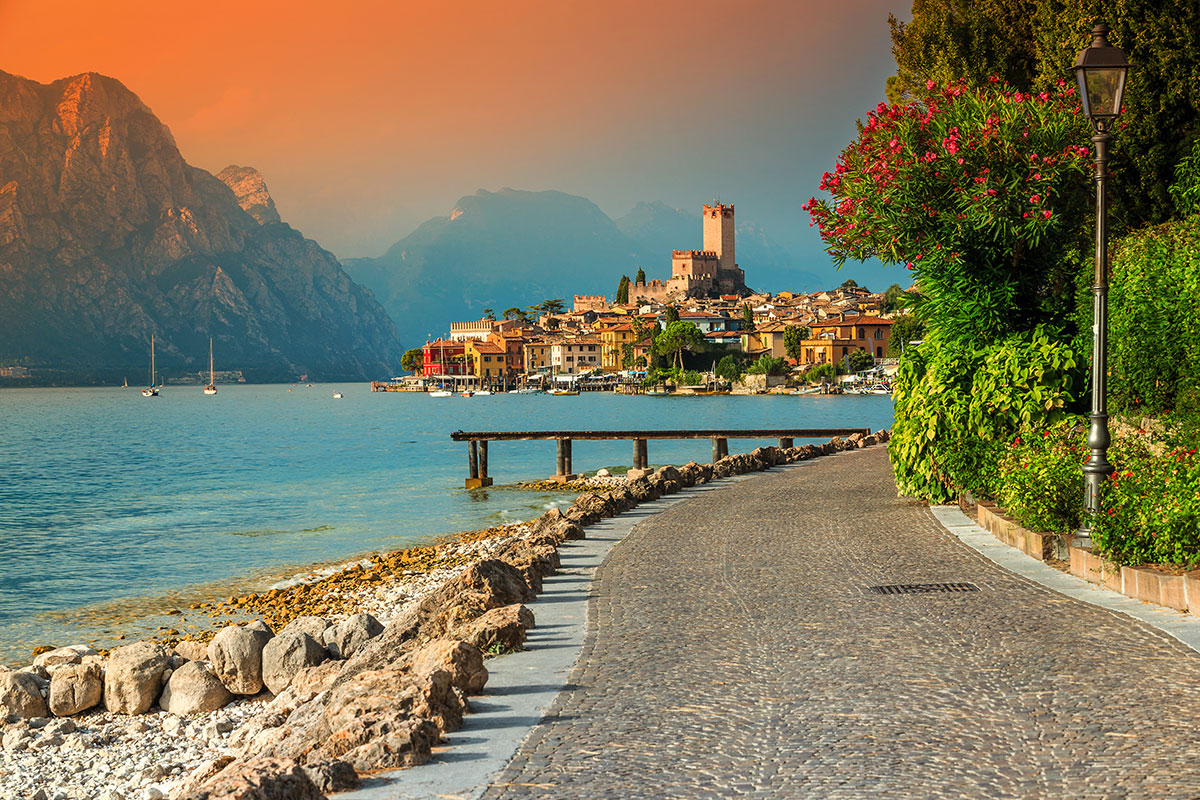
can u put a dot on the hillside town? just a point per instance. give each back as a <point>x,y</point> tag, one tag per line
<point>716,317</point>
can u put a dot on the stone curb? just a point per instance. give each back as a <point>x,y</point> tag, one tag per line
<point>1180,626</point>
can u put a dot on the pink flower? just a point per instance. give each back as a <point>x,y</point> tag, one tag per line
<point>930,84</point>
<point>1037,176</point>
<point>1046,213</point>
<point>1037,198</point>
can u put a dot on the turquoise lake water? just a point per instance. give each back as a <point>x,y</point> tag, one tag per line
<point>114,506</point>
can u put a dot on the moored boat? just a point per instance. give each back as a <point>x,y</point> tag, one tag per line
<point>152,389</point>
<point>212,383</point>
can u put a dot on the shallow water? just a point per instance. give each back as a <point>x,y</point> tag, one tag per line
<point>112,505</point>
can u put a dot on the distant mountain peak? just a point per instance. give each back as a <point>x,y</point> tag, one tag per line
<point>250,189</point>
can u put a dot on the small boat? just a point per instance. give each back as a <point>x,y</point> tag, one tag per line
<point>441,393</point>
<point>466,393</point>
<point>483,392</point>
<point>125,385</point>
<point>152,389</point>
<point>212,383</point>
<point>564,393</point>
<point>338,395</point>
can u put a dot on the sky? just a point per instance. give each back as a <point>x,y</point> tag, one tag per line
<point>367,118</point>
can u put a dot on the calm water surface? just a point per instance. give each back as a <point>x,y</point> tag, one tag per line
<point>114,506</point>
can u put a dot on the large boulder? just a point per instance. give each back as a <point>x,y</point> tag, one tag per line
<point>533,560</point>
<point>193,688</point>
<point>259,779</point>
<point>385,719</point>
<point>643,491</point>
<point>587,509</point>
<point>287,654</point>
<point>332,776</point>
<point>72,654</point>
<point>133,677</point>
<point>484,585</point>
<point>75,688</point>
<point>313,626</point>
<point>21,695</point>
<point>348,636</point>
<point>236,656</point>
<point>192,651</point>
<point>461,660</point>
<point>501,629</point>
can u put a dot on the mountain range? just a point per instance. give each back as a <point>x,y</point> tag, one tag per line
<point>107,235</point>
<point>516,248</point>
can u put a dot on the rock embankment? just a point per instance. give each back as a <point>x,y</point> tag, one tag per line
<point>303,712</point>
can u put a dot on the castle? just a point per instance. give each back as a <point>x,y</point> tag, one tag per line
<point>700,273</point>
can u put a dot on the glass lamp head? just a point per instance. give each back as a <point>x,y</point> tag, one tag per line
<point>1100,70</point>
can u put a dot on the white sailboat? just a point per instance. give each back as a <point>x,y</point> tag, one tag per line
<point>212,383</point>
<point>152,390</point>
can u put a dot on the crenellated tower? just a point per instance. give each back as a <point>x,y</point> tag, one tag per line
<point>718,234</point>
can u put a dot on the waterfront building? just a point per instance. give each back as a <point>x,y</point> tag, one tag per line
<point>474,329</point>
<point>765,339</point>
<point>590,302</point>
<point>573,355</point>
<point>444,357</point>
<point>613,339</point>
<point>487,361</point>
<point>834,340</point>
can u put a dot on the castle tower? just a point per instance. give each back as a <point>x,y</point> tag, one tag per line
<point>718,234</point>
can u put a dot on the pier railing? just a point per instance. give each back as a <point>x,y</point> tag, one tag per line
<point>477,444</point>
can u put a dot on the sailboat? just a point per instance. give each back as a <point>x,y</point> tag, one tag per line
<point>212,384</point>
<point>152,391</point>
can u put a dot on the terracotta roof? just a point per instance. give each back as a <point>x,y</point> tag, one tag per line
<point>444,343</point>
<point>486,347</point>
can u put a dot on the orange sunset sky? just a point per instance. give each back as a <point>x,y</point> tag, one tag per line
<point>368,117</point>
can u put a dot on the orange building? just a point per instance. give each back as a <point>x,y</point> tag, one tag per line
<point>834,340</point>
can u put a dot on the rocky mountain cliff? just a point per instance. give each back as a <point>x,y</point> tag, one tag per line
<point>108,235</point>
<point>516,248</point>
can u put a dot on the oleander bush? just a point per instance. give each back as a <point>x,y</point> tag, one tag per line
<point>1040,483</point>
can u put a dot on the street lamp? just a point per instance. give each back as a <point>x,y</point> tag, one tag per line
<point>1101,70</point>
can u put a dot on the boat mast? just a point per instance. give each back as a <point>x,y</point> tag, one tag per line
<point>211,382</point>
<point>151,360</point>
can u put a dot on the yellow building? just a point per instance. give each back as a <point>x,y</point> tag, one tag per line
<point>834,340</point>
<point>613,339</point>
<point>765,339</point>
<point>537,356</point>
<point>487,361</point>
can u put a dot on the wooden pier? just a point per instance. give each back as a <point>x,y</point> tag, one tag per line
<point>477,445</point>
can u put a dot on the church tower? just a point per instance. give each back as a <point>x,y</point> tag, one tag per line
<point>718,234</point>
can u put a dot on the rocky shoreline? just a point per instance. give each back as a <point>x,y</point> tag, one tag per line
<point>359,671</point>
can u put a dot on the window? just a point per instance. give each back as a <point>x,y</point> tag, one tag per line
<point>487,358</point>
<point>845,351</point>
<point>591,348</point>
<point>879,352</point>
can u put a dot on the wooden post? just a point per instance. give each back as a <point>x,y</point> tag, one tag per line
<point>569,471</point>
<point>477,458</point>
<point>720,448</point>
<point>561,466</point>
<point>637,454</point>
<point>785,444</point>
<point>642,454</point>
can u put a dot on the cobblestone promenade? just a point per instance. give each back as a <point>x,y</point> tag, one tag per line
<point>734,651</point>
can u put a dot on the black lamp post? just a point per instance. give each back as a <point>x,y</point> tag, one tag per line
<point>1101,70</point>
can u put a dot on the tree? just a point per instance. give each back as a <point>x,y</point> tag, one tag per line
<point>551,306</point>
<point>677,337</point>
<point>670,314</point>
<point>793,340</point>
<point>747,317</point>
<point>622,290</point>
<point>489,314</point>
<point>823,372</point>
<point>728,369</point>
<point>893,298</point>
<point>905,329</point>
<point>512,312</point>
<point>982,193</point>
<point>849,283</point>
<point>860,361</point>
<point>1031,44</point>
<point>769,365</point>
<point>641,277</point>
<point>627,359</point>
<point>412,360</point>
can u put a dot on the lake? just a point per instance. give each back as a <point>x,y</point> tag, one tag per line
<point>114,506</point>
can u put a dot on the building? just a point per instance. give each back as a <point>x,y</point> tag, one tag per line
<point>474,329</point>
<point>835,339</point>
<point>571,356</point>
<point>589,302</point>
<point>613,340</point>
<point>444,357</point>
<point>710,271</point>
<point>765,339</point>
<point>487,361</point>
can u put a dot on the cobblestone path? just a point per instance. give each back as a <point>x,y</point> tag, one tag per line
<point>733,651</point>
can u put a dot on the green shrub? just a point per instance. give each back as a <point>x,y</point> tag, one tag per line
<point>1150,509</point>
<point>769,365</point>
<point>1040,480</point>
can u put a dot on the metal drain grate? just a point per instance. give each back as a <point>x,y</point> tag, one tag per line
<point>923,588</point>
